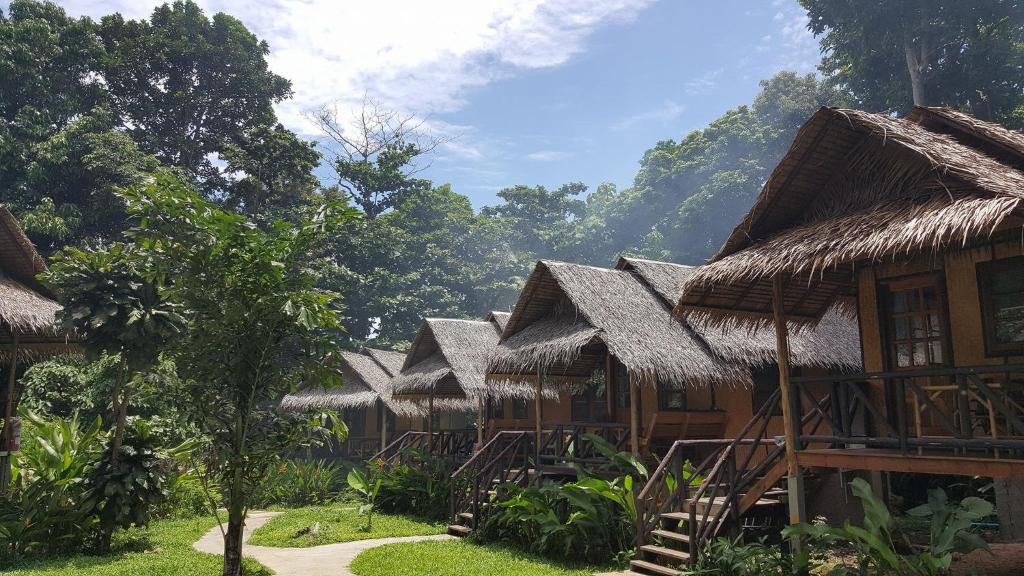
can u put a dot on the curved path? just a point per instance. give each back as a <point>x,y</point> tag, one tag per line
<point>325,560</point>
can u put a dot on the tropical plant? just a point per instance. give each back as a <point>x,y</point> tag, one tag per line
<point>367,489</point>
<point>300,483</point>
<point>876,542</point>
<point>420,485</point>
<point>733,557</point>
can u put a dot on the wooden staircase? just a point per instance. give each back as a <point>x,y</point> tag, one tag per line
<point>736,486</point>
<point>456,446</point>
<point>505,460</point>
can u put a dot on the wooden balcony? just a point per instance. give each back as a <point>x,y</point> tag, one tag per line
<point>961,421</point>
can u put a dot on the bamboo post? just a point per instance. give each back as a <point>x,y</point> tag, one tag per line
<point>634,414</point>
<point>537,409</point>
<point>795,480</point>
<point>480,421</point>
<point>5,439</point>
<point>383,425</point>
<point>430,416</point>
<point>609,385</point>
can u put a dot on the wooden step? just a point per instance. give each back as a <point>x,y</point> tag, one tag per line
<point>465,516</point>
<point>645,567</point>
<point>673,516</point>
<point>677,555</point>
<point>672,535</point>
<point>718,502</point>
<point>459,530</point>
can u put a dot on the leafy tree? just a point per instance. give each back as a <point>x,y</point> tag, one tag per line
<point>542,222</point>
<point>256,327</point>
<point>376,154</point>
<point>187,86</point>
<point>891,55</point>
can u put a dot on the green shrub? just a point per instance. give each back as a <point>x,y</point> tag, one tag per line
<point>725,557</point>
<point>300,483</point>
<point>421,486</point>
<point>186,497</point>
<point>47,510</point>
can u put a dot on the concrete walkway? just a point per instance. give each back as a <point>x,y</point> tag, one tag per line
<point>326,560</point>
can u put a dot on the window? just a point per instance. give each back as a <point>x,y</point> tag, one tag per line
<point>589,403</point>
<point>689,399</point>
<point>916,323</point>
<point>520,410</point>
<point>1001,284</point>
<point>355,419</point>
<point>766,382</point>
<point>497,408</point>
<point>621,383</point>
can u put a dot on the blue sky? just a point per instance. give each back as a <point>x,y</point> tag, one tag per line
<point>528,91</point>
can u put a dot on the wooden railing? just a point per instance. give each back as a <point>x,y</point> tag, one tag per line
<point>566,443</point>
<point>454,445</point>
<point>723,485</point>
<point>505,459</point>
<point>971,411</point>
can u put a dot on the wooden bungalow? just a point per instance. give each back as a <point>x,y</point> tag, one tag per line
<point>28,330</point>
<point>606,341</point>
<point>364,400</point>
<point>915,224</point>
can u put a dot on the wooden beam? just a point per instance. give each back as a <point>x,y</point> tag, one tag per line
<point>383,425</point>
<point>880,460</point>
<point>634,414</point>
<point>791,422</point>
<point>9,401</point>
<point>537,407</point>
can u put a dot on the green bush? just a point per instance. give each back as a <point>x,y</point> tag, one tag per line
<point>46,510</point>
<point>186,497</point>
<point>725,557</point>
<point>300,483</point>
<point>421,486</point>
<point>591,520</point>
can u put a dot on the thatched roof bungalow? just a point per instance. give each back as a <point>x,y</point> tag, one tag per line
<point>915,223</point>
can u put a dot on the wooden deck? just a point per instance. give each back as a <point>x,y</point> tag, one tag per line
<point>894,461</point>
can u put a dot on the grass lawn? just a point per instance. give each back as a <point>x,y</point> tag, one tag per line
<point>338,523</point>
<point>165,549</point>
<point>457,558</point>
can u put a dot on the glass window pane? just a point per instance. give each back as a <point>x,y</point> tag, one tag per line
<point>899,302</point>
<point>920,354</point>
<point>913,300</point>
<point>1009,318</point>
<point>918,326</point>
<point>902,329</point>
<point>903,355</point>
<point>935,349</point>
<point>1007,277</point>
<point>934,326</point>
<point>930,302</point>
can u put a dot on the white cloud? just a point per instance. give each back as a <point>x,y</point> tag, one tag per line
<point>668,111</point>
<point>547,156</point>
<point>705,82</point>
<point>415,56</point>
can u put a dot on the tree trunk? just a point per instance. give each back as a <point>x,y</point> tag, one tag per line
<point>918,60</point>
<point>916,77</point>
<point>120,406</point>
<point>233,541</point>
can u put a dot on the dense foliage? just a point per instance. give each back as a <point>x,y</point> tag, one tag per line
<point>419,486</point>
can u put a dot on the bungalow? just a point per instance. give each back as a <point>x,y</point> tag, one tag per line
<point>915,224</point>
<point>364,399</point>
<point>28,330</point>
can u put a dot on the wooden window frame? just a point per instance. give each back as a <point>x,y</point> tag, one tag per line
<point>993,348</point>
<point>883,290</point>
<point>663,404</point>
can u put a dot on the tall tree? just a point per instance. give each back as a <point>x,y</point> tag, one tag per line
<point>892,55</point>
<point>376,154</point>
<point>257,326</point>
<point>188,86</point>
<point>543,222</point>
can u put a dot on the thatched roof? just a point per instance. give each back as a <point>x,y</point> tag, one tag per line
<point>365,381</point>
<point>390,360</point>
<point>832,344</point>
<point>859,188</point>
<point>27,307</point>
<point>500,319</point>
<point>569,314</point>
<point>449,356</point>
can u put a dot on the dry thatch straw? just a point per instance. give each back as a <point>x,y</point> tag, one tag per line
<point>27,307</point>
<point>833,344</point>
<point>366,381</point>
<point>567,314</point>
<point>859,188</point>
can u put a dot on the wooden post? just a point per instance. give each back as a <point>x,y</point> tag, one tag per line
<point>5,440</point>
<point>634,413</point>
<point>537,414</point>
<point>430,416</point>
<point>609,386</point>
<point>383,425</point>
<point>480,421</point>
<point>795,480</point>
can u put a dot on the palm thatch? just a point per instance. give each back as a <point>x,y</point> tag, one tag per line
<point>448,356</point>
<point>366,381</point>
<point>857,188</point>
<point>27,307</point>
<point>833,344</point>
<point>568,314</point>
<point>390,360</point>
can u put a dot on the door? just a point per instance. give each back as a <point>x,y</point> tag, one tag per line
<point>916,338</point>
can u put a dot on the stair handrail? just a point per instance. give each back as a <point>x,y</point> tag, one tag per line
<point>478,462</point>
<point>390,453</point>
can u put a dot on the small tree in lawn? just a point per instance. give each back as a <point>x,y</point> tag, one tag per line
<point>257,326</point>
<point>117,309</point>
